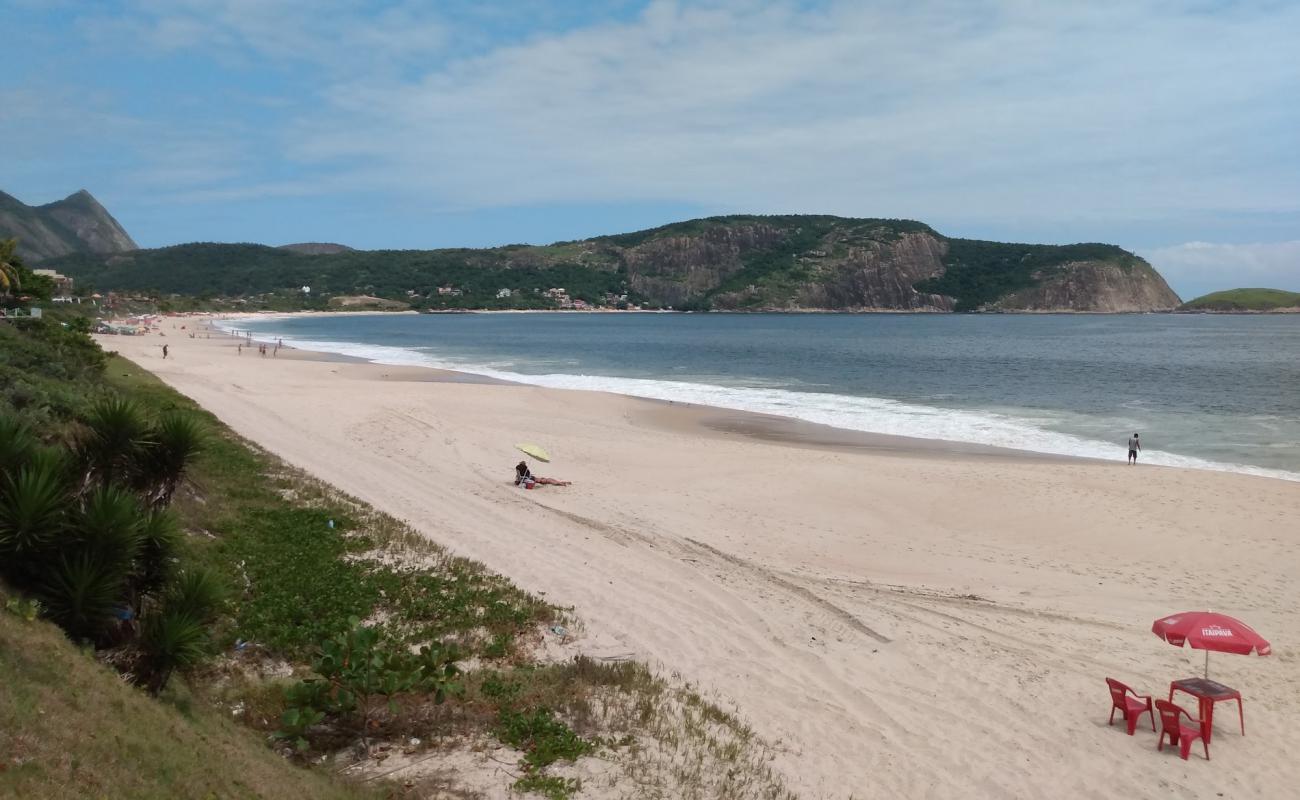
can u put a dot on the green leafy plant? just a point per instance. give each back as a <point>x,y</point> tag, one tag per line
<point>552,787</point>
<point>25,608</point>
<point>356,674</point>
<point>543,738</point>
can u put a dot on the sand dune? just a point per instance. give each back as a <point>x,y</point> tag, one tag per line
<point>919,624</point>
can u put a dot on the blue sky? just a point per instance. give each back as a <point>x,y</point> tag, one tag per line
<point>1172,129</point>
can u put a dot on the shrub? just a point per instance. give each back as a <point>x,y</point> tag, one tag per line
<point>32,506</point>
<point>82,594</point>
<point>170,639</point>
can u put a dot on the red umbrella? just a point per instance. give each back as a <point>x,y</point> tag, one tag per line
<point>1205,630</point>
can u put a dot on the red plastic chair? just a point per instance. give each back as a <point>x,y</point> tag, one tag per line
<point>1131,707</point>
<point>1171,722</point>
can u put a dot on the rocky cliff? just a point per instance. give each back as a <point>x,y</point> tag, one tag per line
<point>1097,286</point>
<point>75,224</point>
<point>831,263</point>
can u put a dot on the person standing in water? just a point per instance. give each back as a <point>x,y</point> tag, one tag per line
<point>1133,447</point>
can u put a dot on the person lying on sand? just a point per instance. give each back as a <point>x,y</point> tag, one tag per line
<point>524,476</point>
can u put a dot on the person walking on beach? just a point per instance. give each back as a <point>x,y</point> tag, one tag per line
<point>1133,447</point>
<point>164,352</point>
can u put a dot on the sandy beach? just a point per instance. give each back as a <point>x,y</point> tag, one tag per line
<point>906,619</point>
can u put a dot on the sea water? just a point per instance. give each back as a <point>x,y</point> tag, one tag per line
<point>1205,391</point>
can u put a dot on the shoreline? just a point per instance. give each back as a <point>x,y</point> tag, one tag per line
<point>777,425</point>
<point>844,599</point>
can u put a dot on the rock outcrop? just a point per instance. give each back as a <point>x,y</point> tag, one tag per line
<point>75,224</point>
<point>316,248</point>
<point>1096,286</point>
<point>682,268</point>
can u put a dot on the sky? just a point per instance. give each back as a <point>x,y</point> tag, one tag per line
<point>1171,129</point>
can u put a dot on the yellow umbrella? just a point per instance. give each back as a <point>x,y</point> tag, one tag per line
<point>535,451</point>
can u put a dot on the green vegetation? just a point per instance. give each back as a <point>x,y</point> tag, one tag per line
<point>69,727</point>
<point>259,594</point>
<point>17,283</point>
<point>49,374</point>
<point>85,530</point>
<point>207,271</point>
<point>738,261</point>
<point>354,671</point>
<point>1244,300</point>
<point>978,273</point>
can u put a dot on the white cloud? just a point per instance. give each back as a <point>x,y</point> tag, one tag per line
<point>341,36</point>
<point>993,113</point>
<point>959,110</point>
<point>1197,268</point>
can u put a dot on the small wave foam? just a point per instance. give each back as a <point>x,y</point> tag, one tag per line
<point>866,414</point>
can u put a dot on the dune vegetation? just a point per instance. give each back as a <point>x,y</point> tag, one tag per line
<point>282,625</point>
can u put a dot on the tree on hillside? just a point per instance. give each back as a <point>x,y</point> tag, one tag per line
<point>9,267</point>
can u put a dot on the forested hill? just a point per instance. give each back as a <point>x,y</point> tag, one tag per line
<point>725,263</point>
<point>1245,300</point>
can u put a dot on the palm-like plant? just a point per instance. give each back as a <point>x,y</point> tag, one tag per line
<point>176,439</point>
<point>109,527</point>
<point>117,435</point>
<point>175,635</point>
<point>81,594</point>
<point>160,536</point>
<point>169,640</point>
<point>9,281</point>
<point>90,536</point>
<point>32,515</point>
<point>197,593</point>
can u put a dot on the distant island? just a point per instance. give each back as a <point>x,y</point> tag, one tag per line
<point>1243,301</point>
<point>728,263</point>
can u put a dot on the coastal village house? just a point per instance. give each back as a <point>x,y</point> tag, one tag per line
<point>62,283</point>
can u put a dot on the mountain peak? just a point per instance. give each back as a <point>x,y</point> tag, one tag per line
<point>77,223</point>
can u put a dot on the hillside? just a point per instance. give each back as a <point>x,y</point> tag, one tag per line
<point>1245,300</point>
<point>720,263</point>
<point>70,727</point>
<point>75,224</point>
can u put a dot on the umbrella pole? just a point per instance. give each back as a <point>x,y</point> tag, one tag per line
<point>1207,665</point>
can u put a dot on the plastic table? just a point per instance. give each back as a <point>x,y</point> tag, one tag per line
<point>1207,693</point>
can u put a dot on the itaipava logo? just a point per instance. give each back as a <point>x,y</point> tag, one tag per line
<point>1216,631</point>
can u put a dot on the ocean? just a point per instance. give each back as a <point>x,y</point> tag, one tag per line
<point>1204,391</point>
